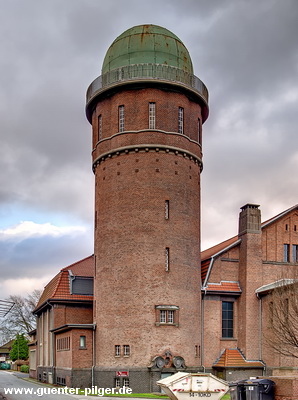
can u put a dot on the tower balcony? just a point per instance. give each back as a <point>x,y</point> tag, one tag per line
<point>138,73</point>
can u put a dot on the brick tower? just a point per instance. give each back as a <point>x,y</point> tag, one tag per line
<point>146,110</point>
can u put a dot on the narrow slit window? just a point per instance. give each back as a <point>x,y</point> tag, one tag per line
<point>167,254</point>
<point>99,128</point>
<point>167,209</point>
<point>199,131</point>
<point>151,115</point>
<point>180,119</point>
<point>121,118</point>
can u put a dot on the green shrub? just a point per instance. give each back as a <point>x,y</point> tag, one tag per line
<point>24,368</point>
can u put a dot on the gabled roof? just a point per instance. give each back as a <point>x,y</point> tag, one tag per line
<point>6,347</point>
<point>231,358</point>
<point>209,254</point>
<point>59,288</point>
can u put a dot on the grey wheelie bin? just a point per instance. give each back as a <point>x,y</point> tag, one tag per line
<point>237,390</point>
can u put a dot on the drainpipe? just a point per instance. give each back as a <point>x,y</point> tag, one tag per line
<point>202,329</point>
<point>260,325</point>
<point>93,355</point>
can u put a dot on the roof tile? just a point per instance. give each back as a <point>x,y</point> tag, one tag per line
<point>58,287</point>
<point>234,358</point>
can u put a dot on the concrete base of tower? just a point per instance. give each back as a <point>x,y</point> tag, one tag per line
<point>139,380</point>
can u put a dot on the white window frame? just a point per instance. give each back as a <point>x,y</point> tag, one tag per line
<point>126,382</point>
<point>126,350</point>
<point>82,342</point>
<point>167,259</point>
<point>167,209</point>
<point>121,118</point>
<point>117,350</point>
<point>180,120</point>
<point>99,128</point>
<point>117,382</point>
<point>151,115</point>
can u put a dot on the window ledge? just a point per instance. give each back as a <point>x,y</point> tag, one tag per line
<point>227,339</point>
<point>165,324</point>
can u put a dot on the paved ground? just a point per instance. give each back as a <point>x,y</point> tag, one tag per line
<point>18,380</point>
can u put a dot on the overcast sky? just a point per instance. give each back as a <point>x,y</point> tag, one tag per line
<point>246,52</point>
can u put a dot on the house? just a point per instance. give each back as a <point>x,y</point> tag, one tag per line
<point>237,277</point>
<point>241,278</point>
<point>63,343</point>
<point>5,350</point>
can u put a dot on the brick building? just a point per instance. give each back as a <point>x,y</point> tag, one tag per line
<point>153,310</point>
<point>239,278</point>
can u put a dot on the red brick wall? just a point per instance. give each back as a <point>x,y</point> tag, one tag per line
<point>132,232</point>
<point>136,112</point>
<point>64,357</point>
<point>69,314</point>
<point>81,358</point>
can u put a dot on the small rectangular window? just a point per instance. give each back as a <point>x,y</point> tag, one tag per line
<point>163,316</point>
<point>167,209</point>
<point>117,382</point>
<point>151,115</point>
<point>227,319</point>
<point>125,382</point>
<point>295,253</point>
<point>286,253</point>
<point>99,128</point>
<point>126,350</point>
<point>167,316</point>
<point>117,350</point>
<point>180,119</point>
<point>167,259</point>
<point>82,342</point>
<point>170,317</point>
<point>197,351</point>
<point>121,118</point>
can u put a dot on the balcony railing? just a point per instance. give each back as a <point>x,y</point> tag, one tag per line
<point>145,72</point>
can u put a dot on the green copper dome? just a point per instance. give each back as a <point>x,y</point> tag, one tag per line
<point>147,44</point>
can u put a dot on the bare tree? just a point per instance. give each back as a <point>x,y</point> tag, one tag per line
<point>283,318</point>
<point>20,319</point>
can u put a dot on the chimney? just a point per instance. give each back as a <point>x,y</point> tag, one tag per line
<point>249,219</point>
